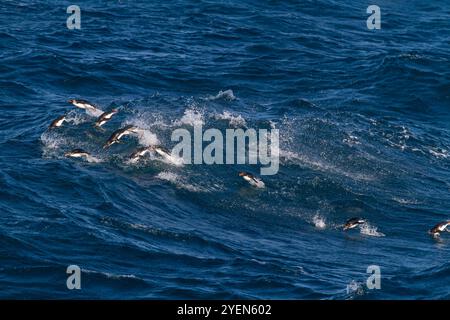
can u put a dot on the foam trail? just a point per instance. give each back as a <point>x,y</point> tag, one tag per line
<point>94,113</point>
<point>92,159</point>
<point>369,230</point>
<point>177,181</point>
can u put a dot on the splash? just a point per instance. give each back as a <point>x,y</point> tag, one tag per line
<point>76,118</point>
<point>319,222</point>
<point>94,113</point>
<point>369,230</point>
<point>191,117</point>
<point>321,166</point>
<point>178,181</point>
<point>234,120</point>
<point>52,143</point>
<point>226,95</point>
<point>147,138</point>
<point>351,140</point>
<point>92,159</point>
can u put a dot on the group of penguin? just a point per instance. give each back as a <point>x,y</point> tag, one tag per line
<point>104,117</point>
<point>435,231</point>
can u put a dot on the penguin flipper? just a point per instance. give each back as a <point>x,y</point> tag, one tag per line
<point>99,128</point>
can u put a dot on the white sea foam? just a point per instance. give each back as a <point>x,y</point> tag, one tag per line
<point>92,159</point>
<point>322,166</point>
<point>355,288</point>
<point>351,140</point>
<point>76,118</point>
<point>94,113</point>
<point>405,201</point>
<point>52,143</point>
<point>439,153</point>
<point>191,117</point>
<point>178,181</point>
<point>319,222</point>
<point>227,95</point>
<point>369,230</point>
<point>147,138</point>
<point>111,275</point>
<point>234,120</point>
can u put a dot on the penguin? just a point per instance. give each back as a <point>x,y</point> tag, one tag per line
<point>77,153</point>
<point>58,122</point>
<point>118,134</point>
<point>80,153</point>
<point>252,180</point>
<point>440,227</point>
<point>138,153</point>
<point>105,117</point>
<point>90,108</point>
<point>353,223</point>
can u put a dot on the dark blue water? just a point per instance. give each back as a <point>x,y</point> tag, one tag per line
<point>364,131</point>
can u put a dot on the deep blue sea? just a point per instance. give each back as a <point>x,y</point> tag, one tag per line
<point>364,122</point>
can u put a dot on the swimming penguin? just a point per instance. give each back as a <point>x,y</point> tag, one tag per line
<point>118,134</point>
<point>77,153</point>
<point>353,223</point>
<point>57,122</point>
<point>163,152</point>
<point>138,154</point>
<point>256,182</point>
<point>90,108</point>
<point>80,153</point>
<point>440,227</point>
<point>167,155</point>
<point>105,117</point>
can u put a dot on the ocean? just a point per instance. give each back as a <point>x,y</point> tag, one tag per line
<point>364,131</point>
